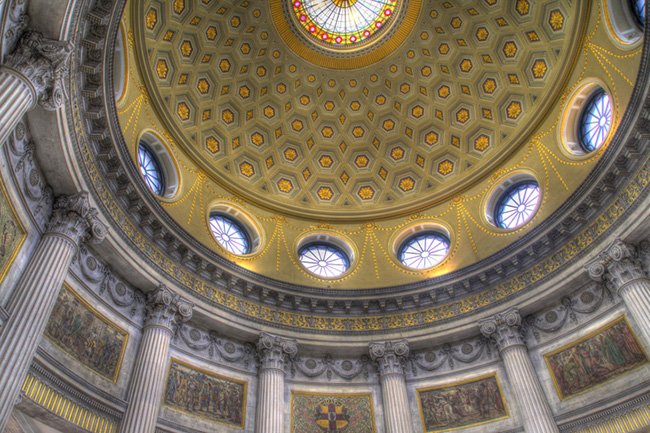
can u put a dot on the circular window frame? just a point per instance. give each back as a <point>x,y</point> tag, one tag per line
<point>250,226</point>
<point>622,24</point>
<point>120,66</point>
<point>569,132</point>
<point>167,164</point>
<point>503,185</point>
<point>397,241</point>
<point>327,238</point>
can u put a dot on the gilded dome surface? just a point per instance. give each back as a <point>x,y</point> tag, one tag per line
<point>302,142</point>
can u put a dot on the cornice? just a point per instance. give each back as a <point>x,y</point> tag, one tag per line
<point>585,219</point>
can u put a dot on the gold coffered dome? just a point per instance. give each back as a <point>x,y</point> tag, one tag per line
<point>414,126</point>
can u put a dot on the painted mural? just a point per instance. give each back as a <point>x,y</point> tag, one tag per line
<point>332,413</point>
<point>205,395</point>
<point>600,356</point>
<point>87,336</point>
<point>462,404</point>
<point>12,233</point>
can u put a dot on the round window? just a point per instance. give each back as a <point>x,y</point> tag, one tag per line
<point>596,121</point>
<point>324,260</point>
<point>517,205</point>
<point>150,169</point>
<point>424,250</point>
<point>230,234</point>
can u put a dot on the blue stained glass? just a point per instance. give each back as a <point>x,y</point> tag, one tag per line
<point>517,205</point>
<point>596,121</point>
<point>150,170</point>
<point>324,260</point>
<point>424,250</point>
<point>230,234</point>
<point>638,6</point>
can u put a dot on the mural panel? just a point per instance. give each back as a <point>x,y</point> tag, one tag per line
<point>80,331</point>
<point>594,359</point>
<point>12,233</point>
<point>205,395</point>
<point>331,413</point>
<point>462,404</point>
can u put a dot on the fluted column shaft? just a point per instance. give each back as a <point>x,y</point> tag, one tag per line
<point>389,357</point>
<point>165,311</point>
<point>274,353</point>
<point>17,97</point>
<point>505,330</point>
<point>620,266</point>
<point>37,290</point>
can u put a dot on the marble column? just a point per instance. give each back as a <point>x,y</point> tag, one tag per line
<point>274,353</point>
<point>390,357</point>
<point>34,73</point>
<point>505,330</point>
<point>164,312</point>
<point>620,266</point>
<point>73,221</point>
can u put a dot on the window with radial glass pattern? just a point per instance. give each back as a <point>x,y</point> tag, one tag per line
<point>150,169</point>
<point>424,250</point>
<point>596,121</point>
<point>324,260</point>
<point>517,205</point>
<point>638,7</point>
<point>230,234</point>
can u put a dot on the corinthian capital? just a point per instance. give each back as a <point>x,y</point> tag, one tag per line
<point>389,356</point>
<point>74,217</point>
<point>166,309</point>
<point>44,63</point>
<point>619,264</point>
<point>274,352</point>
<point>504,329</point>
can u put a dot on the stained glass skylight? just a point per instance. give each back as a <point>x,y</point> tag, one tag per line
<point>230,234</point>
<point>343,23</point>
<point>596,121</point>
<point>324,260</point>
<point>517,205</point>
<point>424,250</point>
<point>150,170</point>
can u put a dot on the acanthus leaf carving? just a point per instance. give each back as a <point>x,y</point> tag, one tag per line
<point>166,309</point>
<point>390,356</point>
<point>504,329</point>
<point>275,352</point>
<point>74,217</point>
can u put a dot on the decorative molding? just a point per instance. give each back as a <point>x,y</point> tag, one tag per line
<point>346,369</point>
<point>275,352</point>
<point>15,23</point>
<point>390,356</point>
<point>618,265</point>
<point>449,356</point>
<point>74,218</point>
<point>216,348</point>
<point>166,309</point>
<point>504,329</point>
<point>629,417</point>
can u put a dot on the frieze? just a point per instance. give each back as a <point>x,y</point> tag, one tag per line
<point>345,369</point>
<point>15,22</point>
<point>165,250</point>
<point>449,357</point>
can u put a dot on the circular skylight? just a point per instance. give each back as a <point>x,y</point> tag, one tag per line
<point>596,121</point>
<point>230,234</point>
<point>638,6</point>
<point>424,250</point>
<point>150,170</point>
<point>324,260</point>
<point>342,23</point>
<point>517,205</point>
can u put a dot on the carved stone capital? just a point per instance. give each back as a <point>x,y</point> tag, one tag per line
<point>44,64</point>
<point>74,217</point>
<point>166,309</point>
<point>504,329</point>
<point>390,356</point>
<point>619,264</point>
<point>275,352</point>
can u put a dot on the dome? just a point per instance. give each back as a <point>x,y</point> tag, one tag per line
<point>307,216</point>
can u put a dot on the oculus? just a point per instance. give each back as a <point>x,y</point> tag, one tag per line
<point>517,205</point>
<point>343,23</point>
<point>638,7</point>
<point>596,121</point>
<point>324,260</point>
<point>424,250</point>
<point>150,169</point>
<point>230,234</point>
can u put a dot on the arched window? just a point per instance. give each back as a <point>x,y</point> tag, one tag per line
<point>324,260</point>
<point>517,205</point>
<point>150,169</point>
<point>596,121</point>
<point>424,250</point>
<point>230,234</point>
<point>638,7</point>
